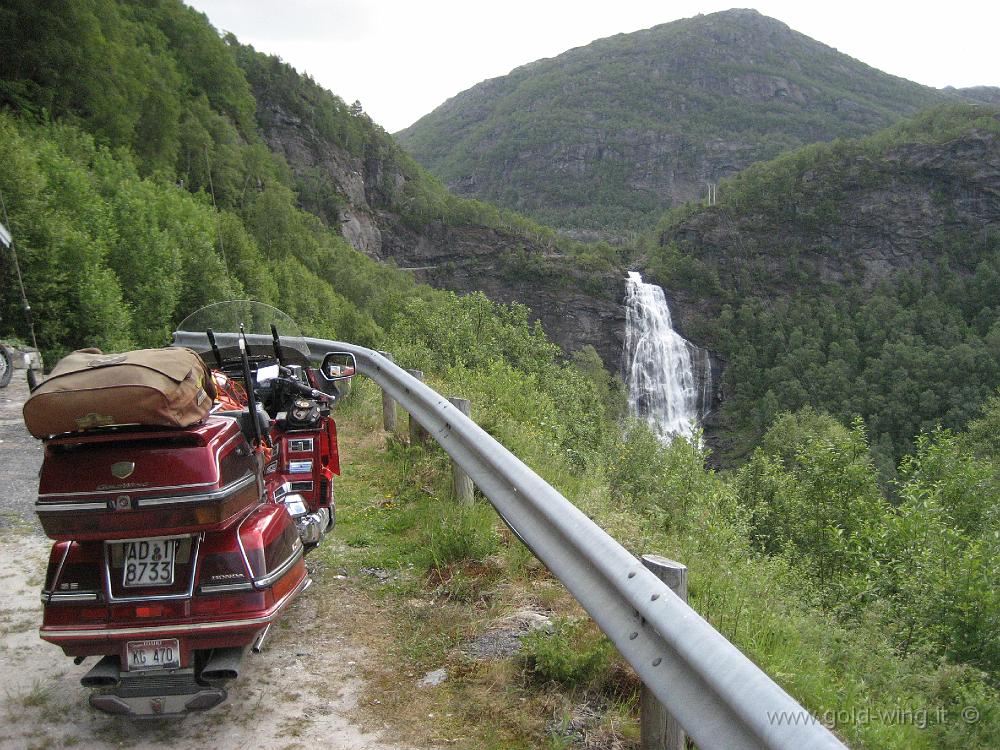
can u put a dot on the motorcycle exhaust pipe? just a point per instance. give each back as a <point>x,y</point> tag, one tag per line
<point>223,665</point>
<point>106,673</point>
<point>258,644</point>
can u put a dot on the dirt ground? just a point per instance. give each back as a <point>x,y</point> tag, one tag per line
<point>302,691</point>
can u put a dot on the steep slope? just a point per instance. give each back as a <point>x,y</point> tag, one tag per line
<point>352,174</point>
<point>254,182</point>
<point>607,136</point>
<point>860,277</point>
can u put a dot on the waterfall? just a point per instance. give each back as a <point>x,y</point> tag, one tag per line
<point>669,379</point>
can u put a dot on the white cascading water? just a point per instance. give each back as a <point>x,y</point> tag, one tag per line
<point>668,377</point>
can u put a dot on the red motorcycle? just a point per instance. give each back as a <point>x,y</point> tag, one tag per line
<point>176,549</point>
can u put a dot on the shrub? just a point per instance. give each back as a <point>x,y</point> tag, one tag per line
<point>569,653</point>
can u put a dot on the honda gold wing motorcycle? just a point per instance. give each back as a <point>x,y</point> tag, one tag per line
<point>177,547</point>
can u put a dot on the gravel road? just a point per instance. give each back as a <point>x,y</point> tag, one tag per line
<point>20,457</point>
<point>301,692</point>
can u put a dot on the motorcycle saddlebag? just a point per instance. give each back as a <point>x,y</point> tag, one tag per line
<point>87,389</point>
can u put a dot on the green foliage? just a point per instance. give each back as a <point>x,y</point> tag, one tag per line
<point>662,482</point>
<point>506,365</point>
<point>810,494</point>
<point>921,567</point>
<point>983,435</point>
<point>115,260</point>
<point>75,295</point>
<point>460,534</point>
<point>938,553</point>
<point>906,337</point>
<point>569,653</point>
<point>602,137</point>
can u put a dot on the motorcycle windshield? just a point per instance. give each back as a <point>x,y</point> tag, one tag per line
<point>224,320</point>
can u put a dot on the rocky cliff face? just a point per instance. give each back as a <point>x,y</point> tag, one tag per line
<point>573,310</point>
<point>859,218</point>
<point>462,259</point>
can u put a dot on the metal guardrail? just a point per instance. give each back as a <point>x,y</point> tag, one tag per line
<point>721,698</point>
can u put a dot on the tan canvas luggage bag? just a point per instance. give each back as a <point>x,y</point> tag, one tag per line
<point>87,389</point>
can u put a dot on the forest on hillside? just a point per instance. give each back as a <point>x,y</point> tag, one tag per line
<point>858,277</point>
<point>605,136</point>
<point>132,130</point>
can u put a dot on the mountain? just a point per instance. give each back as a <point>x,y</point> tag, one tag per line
<point>979,94</point>
<point>603,138</point>
<point>860,277</point>
<point>391,209</point>
<point>253,181</point>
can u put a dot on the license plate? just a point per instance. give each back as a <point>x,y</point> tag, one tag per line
<point>149,562</point>
<point>160,654</point>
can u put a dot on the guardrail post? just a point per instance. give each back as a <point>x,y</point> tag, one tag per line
<point>659,730</point>
<point>388,405</point>
<point>461,481</point>
<point>417,433</point>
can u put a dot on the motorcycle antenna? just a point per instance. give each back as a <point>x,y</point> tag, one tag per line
<point>7,240</point>
<point>215,347</point>
<point>277,344</point>
<point>248,387</point>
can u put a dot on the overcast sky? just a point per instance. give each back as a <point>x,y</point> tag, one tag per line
<point>402,58</point>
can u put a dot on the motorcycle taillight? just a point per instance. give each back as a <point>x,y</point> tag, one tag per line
<point>223,567</point>
<point>270,541</point>
<point>74,572</point>
<point>145,611</point>
<point>228,604</point>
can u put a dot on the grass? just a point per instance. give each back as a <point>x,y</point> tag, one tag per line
<point>455,571</point>
<point>39,695</point>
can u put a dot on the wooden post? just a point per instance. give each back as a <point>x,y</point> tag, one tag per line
<point>657,728</point>
<point>417,433</point>
<point>388,405</point>
<point>461,482</point>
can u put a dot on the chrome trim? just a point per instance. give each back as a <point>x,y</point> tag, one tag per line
<point>61,507</point>
<point>196,544</point>
<point>107,632</point>
<point>56,597</point>
<point>59,570</point>
<point>124,490</point>
<point>220,588</point>
<point>274,575</point>
<point>121,491</point>
<point>300,466</point>
<point>300,445</point>
<point>300,486</point>
<point>239,484</point>
<point>239,541</point>
<point>151,502</point>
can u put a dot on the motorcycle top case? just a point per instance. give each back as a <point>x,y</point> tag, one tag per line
<point>147,481</point>
<point>87,389</point>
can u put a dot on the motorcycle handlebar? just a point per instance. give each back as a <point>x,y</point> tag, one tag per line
<point>303,389</point>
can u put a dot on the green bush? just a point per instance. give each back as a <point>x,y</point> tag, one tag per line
<point>570,653</point>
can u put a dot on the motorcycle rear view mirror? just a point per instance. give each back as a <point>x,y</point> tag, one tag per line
<point>339,366</point>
